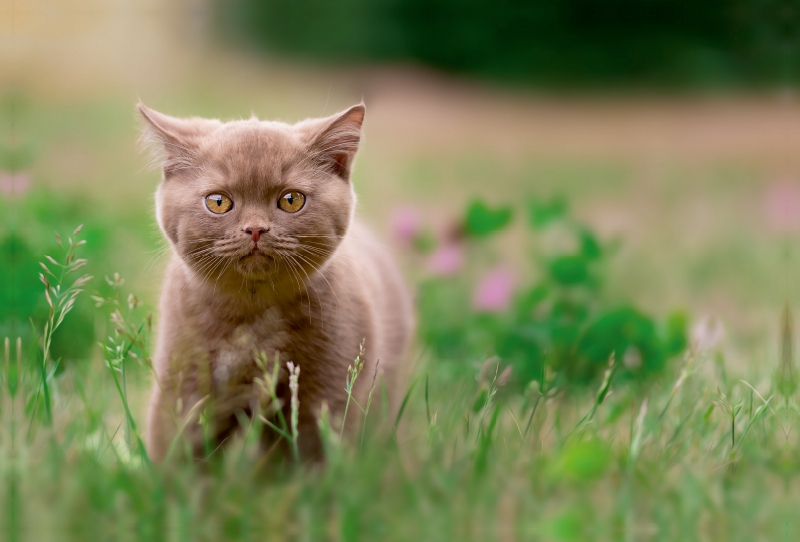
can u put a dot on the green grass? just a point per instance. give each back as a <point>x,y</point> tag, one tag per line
<point>696,452</point>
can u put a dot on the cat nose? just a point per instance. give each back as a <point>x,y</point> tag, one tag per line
<point>255,232</point>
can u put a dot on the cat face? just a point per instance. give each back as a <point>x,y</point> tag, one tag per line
<point>255,199</point>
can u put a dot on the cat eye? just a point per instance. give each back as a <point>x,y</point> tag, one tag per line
<point>292,201</point>
<point>218,204</point>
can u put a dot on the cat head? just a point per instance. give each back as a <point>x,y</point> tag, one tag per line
<point>251,198</point>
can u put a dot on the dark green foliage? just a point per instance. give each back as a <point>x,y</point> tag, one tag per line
<point>22,299</point>
<point>20,291</point>
<point>549,41</point>
<point>619,330</point>
<point>569,270</point>
<point>481,220</point>
<point>21,249</point>
<point>562,319</point>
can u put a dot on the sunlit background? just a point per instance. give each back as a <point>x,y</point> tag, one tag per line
<point>645,155</point>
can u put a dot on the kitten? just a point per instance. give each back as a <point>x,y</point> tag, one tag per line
<point>266,258</point>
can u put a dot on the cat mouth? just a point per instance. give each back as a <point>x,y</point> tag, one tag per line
<point>256,257</point>
<point>256,254</point>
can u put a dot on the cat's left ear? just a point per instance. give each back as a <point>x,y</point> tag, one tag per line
<point>337,144</point>
<point>173,140</point>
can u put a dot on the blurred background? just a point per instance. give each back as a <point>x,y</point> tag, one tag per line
<point>669,129</point>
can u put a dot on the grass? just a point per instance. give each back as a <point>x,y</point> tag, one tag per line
<point>696,453</point>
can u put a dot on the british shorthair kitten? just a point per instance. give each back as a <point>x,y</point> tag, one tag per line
<point>267,258</point>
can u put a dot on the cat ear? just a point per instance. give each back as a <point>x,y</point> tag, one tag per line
<point>337,144</point>
<point>174,141</point>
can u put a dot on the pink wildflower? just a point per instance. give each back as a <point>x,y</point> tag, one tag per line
<point>405,224</point>
<point>13,183</point>
<point>446,260</point>
<point>706,334</point>
<point>782,205</point>
<point>493,293</point>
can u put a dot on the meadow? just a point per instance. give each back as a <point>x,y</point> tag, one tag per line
<point>567,383</point>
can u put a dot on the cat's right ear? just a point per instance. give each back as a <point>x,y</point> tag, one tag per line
<point>173,141</point>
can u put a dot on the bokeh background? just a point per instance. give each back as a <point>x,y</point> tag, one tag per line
<point>669,128</point>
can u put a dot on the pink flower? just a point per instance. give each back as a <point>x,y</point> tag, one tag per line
<point>493,293</point>
<point>405,224</point>
<point>707,334</point>
<point>782,205</point>
<point>13,183</point>
<point>446,260</point>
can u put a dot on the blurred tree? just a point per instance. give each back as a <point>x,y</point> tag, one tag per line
<point>549,41</point>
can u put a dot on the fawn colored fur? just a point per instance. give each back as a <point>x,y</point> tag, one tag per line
<point>309,289</point>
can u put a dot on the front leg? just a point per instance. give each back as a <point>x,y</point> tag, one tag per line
<point>161,426</point>
<point>170,428</point>
<point>173,419</point>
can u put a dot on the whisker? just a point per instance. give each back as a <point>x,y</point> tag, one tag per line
<point>311,283</point>
<point>323,253</point>
<point>209,263</point>
<point>155,258</point>
<point>290,266</point>
<point>227,262</point>
<point>322,274</point>
<point>365,241</point>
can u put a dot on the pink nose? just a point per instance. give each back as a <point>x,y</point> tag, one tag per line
<point>255,232</point>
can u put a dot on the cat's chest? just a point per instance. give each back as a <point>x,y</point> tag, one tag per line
<point>234,347</point>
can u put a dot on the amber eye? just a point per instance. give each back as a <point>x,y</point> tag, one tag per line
<point>218,204</point>
<point>292,201</point>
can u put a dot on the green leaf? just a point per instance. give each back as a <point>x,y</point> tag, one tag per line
<point>480,400</point>
<point>590,246</point>
<point>481,220</point>
<point>616,331</point>
<point>540,214</point>
<point>570,270</point>
<point>526,302</point>
<point>675,341</point>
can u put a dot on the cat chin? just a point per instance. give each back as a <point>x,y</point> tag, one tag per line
<point>256,266</point>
